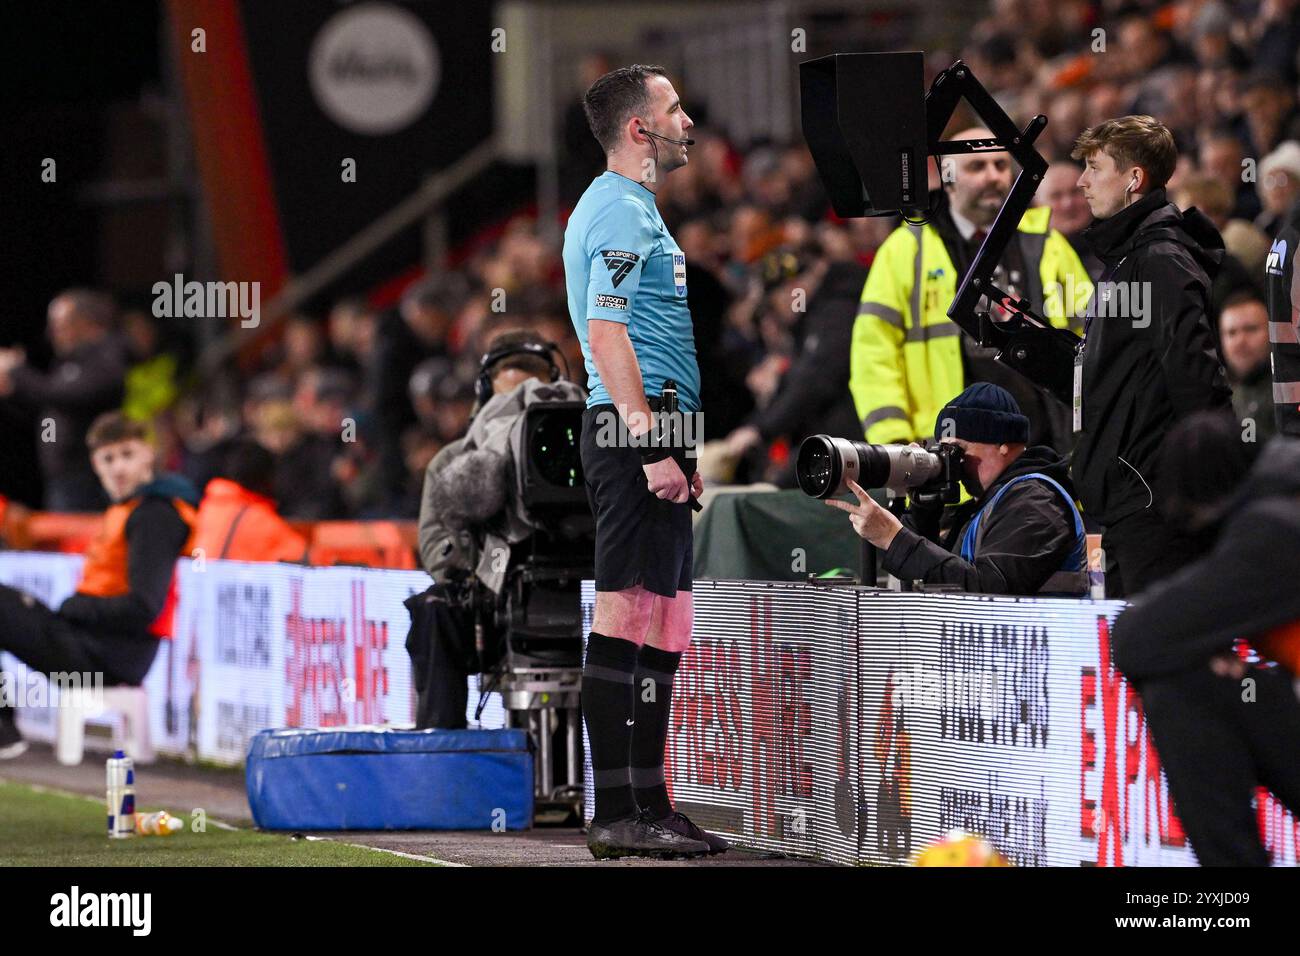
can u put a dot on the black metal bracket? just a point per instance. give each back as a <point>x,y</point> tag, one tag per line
<point>868,553</point>
<point>1027,342</point>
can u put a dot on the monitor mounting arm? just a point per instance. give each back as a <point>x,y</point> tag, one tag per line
<point>1026,342</point>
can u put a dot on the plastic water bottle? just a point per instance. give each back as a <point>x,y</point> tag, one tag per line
<point>161,823</point>
<point>121,796</point>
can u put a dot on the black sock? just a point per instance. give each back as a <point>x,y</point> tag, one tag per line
<point>607,709</point>
<point>9,732</point>
<point>654,698</point>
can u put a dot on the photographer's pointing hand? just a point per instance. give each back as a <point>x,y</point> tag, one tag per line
<point>870,520</point>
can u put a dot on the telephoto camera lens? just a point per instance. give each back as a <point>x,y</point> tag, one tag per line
<point>826,464</point>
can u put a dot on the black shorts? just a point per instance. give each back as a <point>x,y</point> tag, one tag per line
<point>49,643</point>
<point>640,538</point>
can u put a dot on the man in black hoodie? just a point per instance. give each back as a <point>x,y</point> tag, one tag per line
<point>1223,726</point>
<point>1150,353</point>
<point>1021,534</point>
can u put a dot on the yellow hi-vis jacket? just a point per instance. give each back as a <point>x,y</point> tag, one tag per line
<point>906,360</point>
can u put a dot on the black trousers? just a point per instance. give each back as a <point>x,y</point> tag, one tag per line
<point>443,655</point>
<point>1216,748</point>
<point>46,642</point>
<point>1141,549</point>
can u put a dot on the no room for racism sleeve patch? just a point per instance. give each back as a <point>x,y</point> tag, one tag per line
<point>605,301</point>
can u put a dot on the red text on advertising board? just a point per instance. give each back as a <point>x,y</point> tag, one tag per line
<point>706,736</point>
<point>1105,694</point>
<point>782,719</point>
<point>370,640</point>
<point>314,666</point>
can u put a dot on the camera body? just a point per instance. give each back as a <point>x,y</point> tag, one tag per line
<point>930,475</point>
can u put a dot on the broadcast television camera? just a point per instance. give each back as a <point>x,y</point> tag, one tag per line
<point>512,538</point>
<point>928,474</point>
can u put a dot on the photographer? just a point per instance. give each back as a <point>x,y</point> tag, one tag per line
<point>1021,534</point>
<point>467,526</point>
<point>1223,726</point>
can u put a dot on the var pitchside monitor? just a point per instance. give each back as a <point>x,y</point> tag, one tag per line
<point>863,117</point>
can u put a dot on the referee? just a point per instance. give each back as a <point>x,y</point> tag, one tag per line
<point>626,280</point>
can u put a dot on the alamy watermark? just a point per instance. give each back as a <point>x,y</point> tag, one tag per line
<point>1118,300</point>
<point>1124,300</point>
<point>929,688</point>
<point>133,911</point>
<point>60,688</point>
<point>194,299</point>
<point>632,428</point>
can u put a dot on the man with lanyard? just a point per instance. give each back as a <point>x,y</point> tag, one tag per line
<point>626,279</point>
<point>1150,355</point>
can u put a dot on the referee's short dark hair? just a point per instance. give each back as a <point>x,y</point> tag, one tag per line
<point>616,96</point>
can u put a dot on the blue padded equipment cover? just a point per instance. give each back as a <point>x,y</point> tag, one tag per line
<point>380,778</point>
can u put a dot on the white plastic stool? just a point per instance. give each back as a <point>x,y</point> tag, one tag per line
<point>128,705</point>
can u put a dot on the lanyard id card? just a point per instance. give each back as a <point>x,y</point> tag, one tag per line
<point>1077,403</point>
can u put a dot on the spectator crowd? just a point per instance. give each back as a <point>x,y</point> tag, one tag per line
<point>353,404</point>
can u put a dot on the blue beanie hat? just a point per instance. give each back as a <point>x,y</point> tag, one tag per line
<point>983,413</point>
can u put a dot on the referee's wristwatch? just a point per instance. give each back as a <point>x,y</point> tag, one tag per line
<point>656,448</point>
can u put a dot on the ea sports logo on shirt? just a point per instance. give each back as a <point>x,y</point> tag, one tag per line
<point>1276,256</point>
<point>619,263</point>
<point>374,69</point>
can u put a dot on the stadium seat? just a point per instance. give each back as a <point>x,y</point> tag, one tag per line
<point>129,707</point>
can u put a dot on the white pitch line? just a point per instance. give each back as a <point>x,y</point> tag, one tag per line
<point>42,788</point>
<point>222,825</point>
<point>380,849</point>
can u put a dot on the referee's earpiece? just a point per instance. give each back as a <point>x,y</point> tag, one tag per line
<point>1133,184</point>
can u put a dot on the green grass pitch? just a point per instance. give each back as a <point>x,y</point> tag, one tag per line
<point>42,828</point>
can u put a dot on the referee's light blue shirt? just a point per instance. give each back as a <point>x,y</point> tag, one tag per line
<point>621,264</point>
